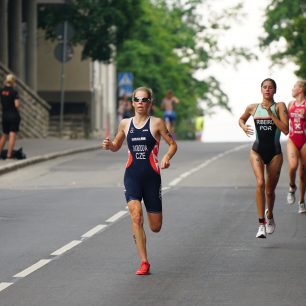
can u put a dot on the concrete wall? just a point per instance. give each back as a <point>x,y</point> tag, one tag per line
<point>77,72</point>
<point>91,83</point>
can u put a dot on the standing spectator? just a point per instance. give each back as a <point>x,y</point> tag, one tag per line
<point>10,115</point>
<point>199,126</point>
<point>266,156</point>
<point>296,148</point>
<point>169,115</point>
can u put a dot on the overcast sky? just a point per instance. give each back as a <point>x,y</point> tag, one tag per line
<point>243,85</point>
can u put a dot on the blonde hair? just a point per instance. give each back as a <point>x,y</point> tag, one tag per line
<point>10,80</point>
<point>302,83</point>
<point>145,89</point>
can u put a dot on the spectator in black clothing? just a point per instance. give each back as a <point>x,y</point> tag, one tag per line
<point>10,115</point>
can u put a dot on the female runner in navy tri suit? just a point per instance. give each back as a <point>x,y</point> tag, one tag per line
<point>270,120</point>
<point>142,178</point>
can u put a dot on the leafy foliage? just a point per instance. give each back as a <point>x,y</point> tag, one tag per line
<point>164,43</point>
<point>99,24</point>
<point>169,45</point>
<point>285,27</point>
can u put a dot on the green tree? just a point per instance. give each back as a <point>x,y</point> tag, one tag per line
<point>99,25</point>
<point>285,28</point>
<point>163,42</point>
<point>169,45</point>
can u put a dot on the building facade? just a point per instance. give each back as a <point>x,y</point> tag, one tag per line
<point>85,89</point>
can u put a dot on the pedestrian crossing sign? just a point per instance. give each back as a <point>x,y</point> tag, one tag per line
<point>125,78</point>
<point>125,83</point>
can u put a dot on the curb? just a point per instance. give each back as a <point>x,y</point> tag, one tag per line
<point>41,158</point>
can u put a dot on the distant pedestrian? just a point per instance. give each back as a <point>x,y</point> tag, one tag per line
<point>125,109</point>
<point>142,178</point>
<point>169,115</point>
<point>199,126</point>
<point>10,115</point>
<point>270,119</point>
<point>296,147</point>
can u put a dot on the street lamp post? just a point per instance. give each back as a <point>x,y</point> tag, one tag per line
<point>63,52</point>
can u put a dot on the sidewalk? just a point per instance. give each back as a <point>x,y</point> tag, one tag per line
<point>39,150</point>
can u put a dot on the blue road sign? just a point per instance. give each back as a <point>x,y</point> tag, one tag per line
<point>125,83</point>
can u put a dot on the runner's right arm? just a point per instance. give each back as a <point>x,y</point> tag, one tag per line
<point>116,144</point>
<point>244,118</point>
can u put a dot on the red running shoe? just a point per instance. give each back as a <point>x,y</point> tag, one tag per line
<point>144,268</point>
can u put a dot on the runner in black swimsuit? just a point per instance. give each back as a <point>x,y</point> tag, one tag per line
<point>142,176</point>
<point>267,143</point>
<point>270,120</point>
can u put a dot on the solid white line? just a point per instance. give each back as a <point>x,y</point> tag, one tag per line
<point>4,285</point>
<point>204,164</point>
<point>117,216</point>
<point>66,247</point>
<point>165,188</point>
<point>94,231</point>
<point>184,174</point>
<point>175,181</point>
<point>32,268</point>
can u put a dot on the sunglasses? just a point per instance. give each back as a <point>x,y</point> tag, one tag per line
<point>145,100</point>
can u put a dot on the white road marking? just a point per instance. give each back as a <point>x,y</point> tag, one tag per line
<point>4,285</point>
<point>207,162</point>
<point>116,216</point>
<point>175,182</point>
<point>66,247</point>
<point>32,268</point>
<point>94,231</point>
<point>165,188</point>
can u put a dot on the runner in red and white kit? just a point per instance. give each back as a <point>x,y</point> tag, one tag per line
<point>296,148</point>
<point>142,179</point>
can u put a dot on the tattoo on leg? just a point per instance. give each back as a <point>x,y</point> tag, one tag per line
<point>169,134</point>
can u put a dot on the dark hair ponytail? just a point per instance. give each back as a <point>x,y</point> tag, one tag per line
<point>271,80</point>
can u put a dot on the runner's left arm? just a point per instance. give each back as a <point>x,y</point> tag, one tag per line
<point>283,122</point>
<point>165,134</point>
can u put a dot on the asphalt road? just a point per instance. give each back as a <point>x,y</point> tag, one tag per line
<point>65,235</point>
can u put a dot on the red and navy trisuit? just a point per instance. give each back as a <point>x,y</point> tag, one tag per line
<point>142,179</point>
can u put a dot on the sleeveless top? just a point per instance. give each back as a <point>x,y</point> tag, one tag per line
<point>267,142</point>
<point>8,96</point>
<point>143,149</point>
<point>297,119</point>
